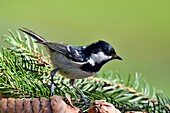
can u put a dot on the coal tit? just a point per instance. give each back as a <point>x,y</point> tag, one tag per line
<point>76,62</point>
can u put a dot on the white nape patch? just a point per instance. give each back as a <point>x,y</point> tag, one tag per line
<point>98,58</point>
<point>68,48</point>
<point>84,47</point>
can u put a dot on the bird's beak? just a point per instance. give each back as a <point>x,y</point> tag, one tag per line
<point>117,57</point>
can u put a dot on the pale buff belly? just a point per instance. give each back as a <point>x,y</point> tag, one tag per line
<point>68,68</point>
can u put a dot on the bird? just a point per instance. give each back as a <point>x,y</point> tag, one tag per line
<point>75,62</point>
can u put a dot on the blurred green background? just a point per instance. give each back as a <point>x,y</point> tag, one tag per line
<point>139,30</point>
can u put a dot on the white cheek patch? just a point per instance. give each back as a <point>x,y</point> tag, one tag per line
<point>98,58</point>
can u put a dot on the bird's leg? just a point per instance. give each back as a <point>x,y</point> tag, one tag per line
<point>52,73</point>
<point>82,96</point>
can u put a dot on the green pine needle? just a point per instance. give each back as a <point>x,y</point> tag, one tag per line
<point>24,72</point>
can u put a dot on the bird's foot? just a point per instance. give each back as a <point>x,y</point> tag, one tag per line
<point>82,96</point>
<point>86,101</point>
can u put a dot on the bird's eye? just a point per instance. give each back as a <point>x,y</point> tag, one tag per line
<point>109,51</point>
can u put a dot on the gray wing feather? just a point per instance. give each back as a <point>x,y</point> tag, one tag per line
<point>59,47</point>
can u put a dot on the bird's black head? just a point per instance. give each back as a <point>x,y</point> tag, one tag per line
<point>99,53</point>
<point>106,48</point>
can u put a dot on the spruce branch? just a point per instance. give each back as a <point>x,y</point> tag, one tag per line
<point>24,72</point>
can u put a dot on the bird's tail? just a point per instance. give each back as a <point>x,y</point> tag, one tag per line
<point>34,35</point>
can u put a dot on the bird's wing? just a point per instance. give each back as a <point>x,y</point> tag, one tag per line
<point>59,47</point>
<point>74,53</point>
